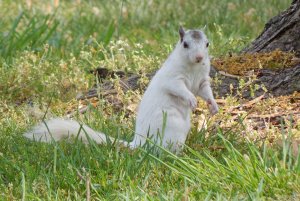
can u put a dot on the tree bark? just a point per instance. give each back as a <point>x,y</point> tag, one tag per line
<point>269,82</point>
<point>281,32</point>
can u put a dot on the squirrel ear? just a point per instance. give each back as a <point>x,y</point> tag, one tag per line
<point>181,33</point>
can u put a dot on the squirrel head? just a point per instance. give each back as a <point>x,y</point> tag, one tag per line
<point>193,46</point>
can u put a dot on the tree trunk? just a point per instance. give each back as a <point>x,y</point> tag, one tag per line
<point>281,32</point>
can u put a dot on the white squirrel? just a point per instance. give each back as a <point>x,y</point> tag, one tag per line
<point>165,109</point>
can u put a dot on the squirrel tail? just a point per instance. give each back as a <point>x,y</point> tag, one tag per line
<point>57,129</point>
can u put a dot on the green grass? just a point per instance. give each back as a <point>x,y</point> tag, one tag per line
<point>46,54</point>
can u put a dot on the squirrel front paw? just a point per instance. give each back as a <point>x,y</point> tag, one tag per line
<point>212,106</point>
<point>192,101</point>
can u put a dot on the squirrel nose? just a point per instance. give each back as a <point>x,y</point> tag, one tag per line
<point>199,58</point>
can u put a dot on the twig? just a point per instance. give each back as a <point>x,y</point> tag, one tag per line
<point>88,190</point>
<point>247,104</point>
<point>228,75</point>
<point>277,114</point>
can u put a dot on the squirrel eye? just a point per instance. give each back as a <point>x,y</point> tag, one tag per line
<point>185,45</point>
<point>207,44</point>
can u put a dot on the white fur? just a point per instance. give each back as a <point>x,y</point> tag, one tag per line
<point>164,112</point>
<point>61,128</point>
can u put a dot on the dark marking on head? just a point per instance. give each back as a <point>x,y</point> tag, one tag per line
<point>181,33</point>
<point>196,35</point>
